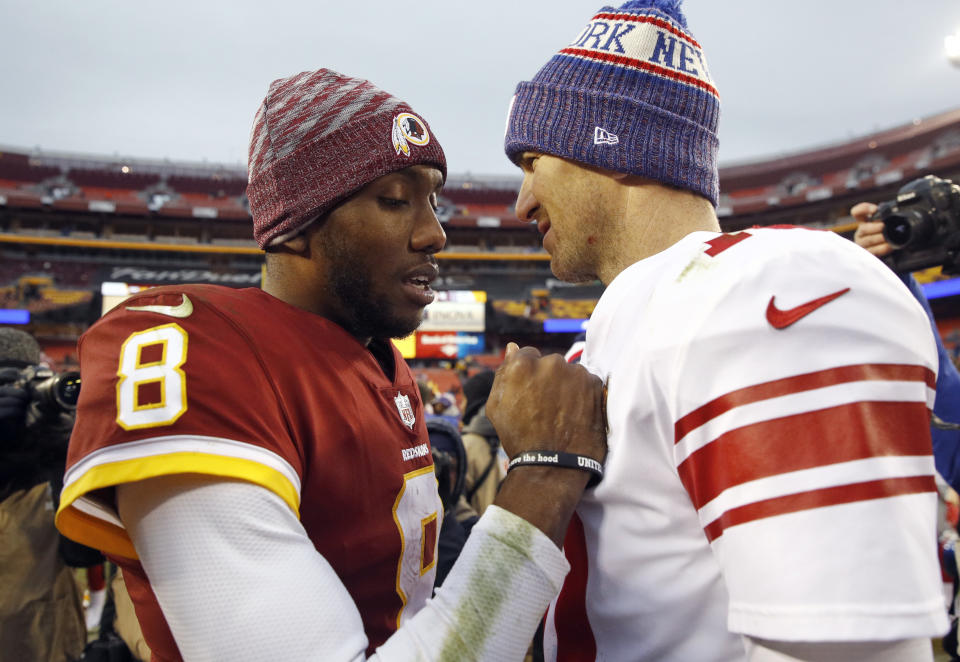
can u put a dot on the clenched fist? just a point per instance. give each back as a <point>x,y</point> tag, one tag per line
<point>545,403</point>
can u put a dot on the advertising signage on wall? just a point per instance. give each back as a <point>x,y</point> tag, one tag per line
<point>559,325</point>
<point>14,316</point>
<point>448,344</point>
<point>452,327</point>
<point>173,276</point>
<point>456,310</point>
<point>121,282</point>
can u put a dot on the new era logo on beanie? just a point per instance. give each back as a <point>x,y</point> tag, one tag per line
<point>604,137</point>
<point>631,93</point>
<point>320,136</point>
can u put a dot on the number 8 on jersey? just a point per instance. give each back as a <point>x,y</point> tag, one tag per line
<point>152,389</point>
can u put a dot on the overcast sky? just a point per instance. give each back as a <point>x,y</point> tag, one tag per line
<point>182,79</point>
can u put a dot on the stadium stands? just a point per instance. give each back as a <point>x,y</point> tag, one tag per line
<point>76,219</point>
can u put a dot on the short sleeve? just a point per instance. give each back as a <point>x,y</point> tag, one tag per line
<point>170,393</point>
<point>801,395</point>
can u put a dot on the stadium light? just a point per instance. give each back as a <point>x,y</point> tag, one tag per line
<point>952,45</point>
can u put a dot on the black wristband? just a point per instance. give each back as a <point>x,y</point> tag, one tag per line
<point>559,459</point>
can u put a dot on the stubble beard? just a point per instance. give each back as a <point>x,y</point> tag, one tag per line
<point>571,265</point>
<point>365,315</point>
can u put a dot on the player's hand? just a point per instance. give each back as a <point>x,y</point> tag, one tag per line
<point>869,233</point>
<point>545,403</point>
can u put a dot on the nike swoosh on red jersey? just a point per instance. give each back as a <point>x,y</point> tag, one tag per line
<point>781,319</point>
<point>183,309</point>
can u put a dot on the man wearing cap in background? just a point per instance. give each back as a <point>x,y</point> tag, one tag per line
<point>450,465</point>
<point>486,463</point>
<point>769,490</point>
<point>41,606</point>
<point>257,460</point>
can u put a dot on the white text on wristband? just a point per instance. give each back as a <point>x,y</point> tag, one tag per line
<point>559,459</point>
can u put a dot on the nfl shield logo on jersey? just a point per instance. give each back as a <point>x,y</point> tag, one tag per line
<point>406,411</point>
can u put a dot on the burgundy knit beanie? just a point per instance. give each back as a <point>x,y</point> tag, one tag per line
<point>320,136</point>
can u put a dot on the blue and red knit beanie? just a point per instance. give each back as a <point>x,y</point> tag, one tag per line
<point>320,136</point>
<point>631,93</point>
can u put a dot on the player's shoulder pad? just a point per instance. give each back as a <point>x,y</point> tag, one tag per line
<point>184,305</point>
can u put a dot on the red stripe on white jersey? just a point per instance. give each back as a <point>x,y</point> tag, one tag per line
<point>575,641</point>
<point>799,383</point>
<point>807,440</point>
<point>723,242</point>
<point>831,496</point>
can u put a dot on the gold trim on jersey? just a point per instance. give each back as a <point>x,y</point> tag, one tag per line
<point>95,532</point>
<point>432,517</point>
<point>99,533</point>
<point>426,502</point>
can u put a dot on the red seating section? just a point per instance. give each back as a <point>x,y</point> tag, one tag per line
<point>881,159</point>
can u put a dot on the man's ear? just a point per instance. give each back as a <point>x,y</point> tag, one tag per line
<point>630,180</point>
<point>298,245</point>
<point>619,176</point>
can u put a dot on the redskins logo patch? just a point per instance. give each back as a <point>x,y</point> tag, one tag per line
<point>407,129</point>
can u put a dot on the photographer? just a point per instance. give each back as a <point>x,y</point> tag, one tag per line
<point>946,443</point>
<point>937,247</point>
<point>41,611</point>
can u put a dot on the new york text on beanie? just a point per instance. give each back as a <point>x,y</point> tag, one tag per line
<point>631,93</point>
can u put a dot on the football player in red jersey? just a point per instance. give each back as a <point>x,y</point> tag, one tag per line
<point>769,492</point>
<point>257,460</point>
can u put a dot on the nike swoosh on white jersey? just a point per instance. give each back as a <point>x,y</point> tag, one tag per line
<point>185,309</point>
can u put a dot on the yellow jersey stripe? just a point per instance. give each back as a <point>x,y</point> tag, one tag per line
<point>101,534</point>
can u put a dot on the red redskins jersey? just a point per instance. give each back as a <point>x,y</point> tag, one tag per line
<point>236,383</point>
<point>770,471</point>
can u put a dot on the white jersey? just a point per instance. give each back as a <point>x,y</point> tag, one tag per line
<point>769,470</point>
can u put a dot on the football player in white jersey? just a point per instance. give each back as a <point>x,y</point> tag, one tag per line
<point>769,490</point>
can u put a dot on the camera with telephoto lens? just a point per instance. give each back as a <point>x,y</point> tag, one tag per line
<point>50,393</point>
<point>923,226</point>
